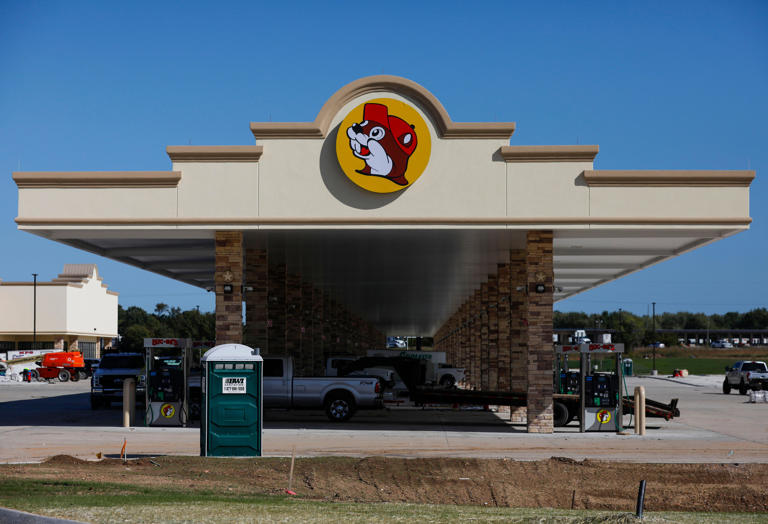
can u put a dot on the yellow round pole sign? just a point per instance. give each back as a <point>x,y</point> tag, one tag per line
<point>383,145</point>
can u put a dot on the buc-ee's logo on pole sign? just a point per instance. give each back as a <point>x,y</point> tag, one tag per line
<point>383,145</point>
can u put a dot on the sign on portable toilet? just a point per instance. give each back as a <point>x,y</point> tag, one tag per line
<point>231,418</point>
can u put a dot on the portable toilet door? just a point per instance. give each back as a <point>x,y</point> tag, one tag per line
<point>231,414</point>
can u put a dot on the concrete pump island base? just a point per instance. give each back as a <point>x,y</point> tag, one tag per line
<point>385,217</point>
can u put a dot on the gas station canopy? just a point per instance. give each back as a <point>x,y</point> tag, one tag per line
<point>387,205</point>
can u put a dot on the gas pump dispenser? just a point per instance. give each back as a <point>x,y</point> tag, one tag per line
<point>567,382</point>
<point>601,393</point>
<point>167,393</point>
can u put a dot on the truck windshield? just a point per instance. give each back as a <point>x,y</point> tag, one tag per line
<point>753,366</point>
<point>122,362</point>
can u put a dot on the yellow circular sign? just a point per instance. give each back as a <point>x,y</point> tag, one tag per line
<point>383,145</point>
<point>604,416</point>
<point>167,410</point>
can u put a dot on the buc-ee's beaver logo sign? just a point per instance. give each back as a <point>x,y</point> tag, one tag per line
<point>383,145</point>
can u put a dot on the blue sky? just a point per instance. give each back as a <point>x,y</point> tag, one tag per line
<point>92,86</point>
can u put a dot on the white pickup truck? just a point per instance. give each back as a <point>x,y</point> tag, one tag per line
<point>339,396</point>
<point>742,374</point>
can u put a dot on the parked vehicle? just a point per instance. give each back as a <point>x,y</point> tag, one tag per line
<point>107,380</point>
<point>449,375</point>
<point>758,380</point>
<point>340,397</point>
<point>721,344</point>
<point>739,375</point>
<point>64,365</point>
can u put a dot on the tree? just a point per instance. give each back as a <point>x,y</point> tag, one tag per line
<point>161,309</point>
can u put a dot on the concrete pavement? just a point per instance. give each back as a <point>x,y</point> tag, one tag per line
<point>41,420</point>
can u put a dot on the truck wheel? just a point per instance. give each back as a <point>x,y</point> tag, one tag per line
<point>743,388</point>
<point>560,414</point>
<point>64,375</point>
<point>35,375</point>
<point>726,387</point>
<point>447,381</point>
<point>339,407</point>
<point>82,375</point>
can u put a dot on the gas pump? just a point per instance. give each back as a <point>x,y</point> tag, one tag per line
<point>167,393</point>
<point>567,382</point>
<point>601,393</point>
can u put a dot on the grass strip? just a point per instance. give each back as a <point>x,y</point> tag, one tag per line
<point>109,502</point>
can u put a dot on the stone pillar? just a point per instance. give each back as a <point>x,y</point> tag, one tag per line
<point>540,352</point>
<point>229,273</point>
<point>464,339</point>
<point>484,336</point>
<point>475,329</point>
<point>58,343</point>
<point>493,332</point>
<point>293,321</point>
<point>306,348</point>
<point>518,330</point>
<point>256,296</point>
<point>316,337</point>
<point>276,310</point>
<point>502,311</point>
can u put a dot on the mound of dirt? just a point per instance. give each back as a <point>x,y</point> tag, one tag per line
<point>554,483</point>
<point>64,460</point>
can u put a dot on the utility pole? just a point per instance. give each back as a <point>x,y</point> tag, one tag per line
<point>34,311</point>
<point>654,339</point>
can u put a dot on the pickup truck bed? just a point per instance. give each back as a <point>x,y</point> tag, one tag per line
<point>339,396</point>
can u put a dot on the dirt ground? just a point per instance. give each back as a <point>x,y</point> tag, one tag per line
<point>557,482</point>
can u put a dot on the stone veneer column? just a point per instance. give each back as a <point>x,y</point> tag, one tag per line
<point>293,321</point>
<point>540,351</point>
<point>476,336</point>
<point>518,330</point>
<point>493,332</point>
<point>229,272</point>
<point>464,340</point>
<point>502,312</point>
<point>276,310</point>
<point>58,343</point>
<point>256,278</point>
<point>484,336</point>
<point>306,348</point>
<point>316,337</point>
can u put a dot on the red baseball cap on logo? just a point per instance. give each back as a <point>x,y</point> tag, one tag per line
<point>403,133</point>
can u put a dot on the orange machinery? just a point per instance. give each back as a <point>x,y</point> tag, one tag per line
<point>65,365</point>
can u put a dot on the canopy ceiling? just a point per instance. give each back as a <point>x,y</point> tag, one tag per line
<point>402,281</point>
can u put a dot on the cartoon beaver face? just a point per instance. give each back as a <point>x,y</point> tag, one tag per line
<point>384,141</point>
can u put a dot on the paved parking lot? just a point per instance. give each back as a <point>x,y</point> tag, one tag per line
<point>39,420</point>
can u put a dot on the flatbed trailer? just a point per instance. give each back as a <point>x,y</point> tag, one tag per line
<point>566,407</point>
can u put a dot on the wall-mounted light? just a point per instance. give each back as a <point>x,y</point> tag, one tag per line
<point>540,288</point>
<point>227,289</point>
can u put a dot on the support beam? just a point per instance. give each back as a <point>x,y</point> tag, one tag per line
<point>256,281</point>
<point>540,353</point>
<point>229,281</point>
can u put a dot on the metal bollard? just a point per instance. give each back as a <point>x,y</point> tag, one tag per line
<point>639,410</point>
<point>129,402</point>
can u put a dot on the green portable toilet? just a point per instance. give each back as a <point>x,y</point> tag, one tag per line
<point>231,414</point>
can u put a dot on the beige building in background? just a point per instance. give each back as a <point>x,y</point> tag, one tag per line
<point>74,311</point>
